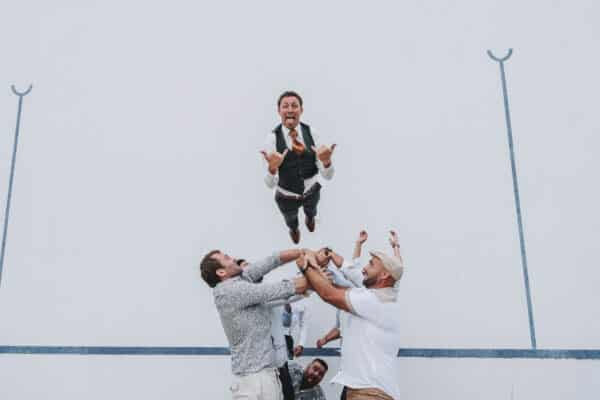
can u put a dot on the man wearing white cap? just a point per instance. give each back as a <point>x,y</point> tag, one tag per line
<point>370,326</point>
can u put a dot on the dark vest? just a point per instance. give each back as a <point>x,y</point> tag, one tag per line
<point>296,167</point>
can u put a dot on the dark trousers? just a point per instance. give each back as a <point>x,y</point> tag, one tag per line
<point>343,395</point>
<point>286,383</point>
<point>289,206</point>
<point>289,342</point>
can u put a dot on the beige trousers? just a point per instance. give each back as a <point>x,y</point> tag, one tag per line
<point>262,385</point>
<point>367,394</point>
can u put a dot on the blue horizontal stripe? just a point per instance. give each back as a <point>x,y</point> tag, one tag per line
<point>327,352</point>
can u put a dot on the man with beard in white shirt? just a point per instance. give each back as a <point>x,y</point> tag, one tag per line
<point>370,325</point>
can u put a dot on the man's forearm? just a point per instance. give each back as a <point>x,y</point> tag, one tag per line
<point>337,259</point>
<point>290,255</point>
<point>329,293</point>
<point>333,334</point>
<point>357,250</point>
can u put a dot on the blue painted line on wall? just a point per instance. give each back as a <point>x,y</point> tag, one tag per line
<point>327,352</point>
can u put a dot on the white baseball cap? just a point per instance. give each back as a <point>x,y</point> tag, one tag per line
<point>393,264</point>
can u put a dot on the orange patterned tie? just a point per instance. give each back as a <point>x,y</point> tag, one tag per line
<point>297,146</point>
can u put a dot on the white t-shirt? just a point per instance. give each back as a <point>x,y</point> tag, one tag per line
<point>370,345</point>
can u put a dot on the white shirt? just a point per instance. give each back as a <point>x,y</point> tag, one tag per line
<point>370,346</point>
<point>271,145</point>
<point>298,328</point>
<point>277,330</point>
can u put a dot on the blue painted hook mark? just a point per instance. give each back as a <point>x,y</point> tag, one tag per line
<point>506,57</point>
<point>517,197</point>
<point>21,94</point>
<point>12,173</point>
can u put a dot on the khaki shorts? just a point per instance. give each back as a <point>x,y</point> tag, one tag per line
<point>262,385</point>
<point>367,394</point>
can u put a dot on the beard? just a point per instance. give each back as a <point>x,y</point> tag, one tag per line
<point>368,282</point>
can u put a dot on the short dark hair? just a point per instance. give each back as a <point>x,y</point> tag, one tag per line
<point>209,267</point>
<point>323,363</point>
<point>289,93</point>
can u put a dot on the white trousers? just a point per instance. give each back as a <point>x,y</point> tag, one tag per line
<point>262,385</point>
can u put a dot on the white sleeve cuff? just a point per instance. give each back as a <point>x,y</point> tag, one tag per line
<point>271,180</point>
<point>326,173</point>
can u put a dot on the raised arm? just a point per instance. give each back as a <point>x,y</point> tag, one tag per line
<point>256,270</point>
<point>394,243</point>
<point>362,238</point>
<point>337,260</point>
<point>333,334</point>
<point>324,154</point>
<point>274,160</point>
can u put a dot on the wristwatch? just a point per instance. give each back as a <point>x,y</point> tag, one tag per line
<point>308,265</point>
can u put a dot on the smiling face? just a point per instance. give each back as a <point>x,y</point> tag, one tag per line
<point>374,272</point>
<point>313,374</point>
<point>290,111</point>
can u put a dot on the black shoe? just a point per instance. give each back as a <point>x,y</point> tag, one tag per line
<point>295,235</point>
<point>310,223</point>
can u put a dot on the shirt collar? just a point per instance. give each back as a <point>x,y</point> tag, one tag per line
<point>286,131</point>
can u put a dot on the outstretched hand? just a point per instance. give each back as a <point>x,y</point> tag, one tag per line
<point>362,237</point>
<point>324,153</point>
<point>274,159</point>
<point>298,350</point>
<point>394,239</point>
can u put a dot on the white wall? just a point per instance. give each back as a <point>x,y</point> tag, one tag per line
<point>139,153</point>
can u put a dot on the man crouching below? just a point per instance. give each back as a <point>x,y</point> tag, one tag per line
<point>306,380</point>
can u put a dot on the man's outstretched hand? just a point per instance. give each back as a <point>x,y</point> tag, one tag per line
<point>394,239</point>
<point>274,159</point>
<point>362,237</point>
<point>298,351</point>
<point>324,153</point>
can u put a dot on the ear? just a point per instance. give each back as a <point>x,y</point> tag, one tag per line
<point>384,275</point>
<point>221,273</point>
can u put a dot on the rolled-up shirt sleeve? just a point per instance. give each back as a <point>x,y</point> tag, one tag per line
<point>326,173</point>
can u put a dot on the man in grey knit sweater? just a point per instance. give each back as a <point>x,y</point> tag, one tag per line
<point>246,320</point>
